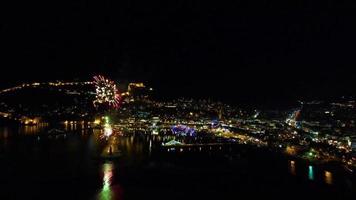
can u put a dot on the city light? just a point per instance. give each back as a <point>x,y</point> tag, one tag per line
<point>187,118</point>
<point>116,100</point>
<point>107,119</point>
<point>97,121</point>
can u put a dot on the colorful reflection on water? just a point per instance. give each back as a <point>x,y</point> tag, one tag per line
<point>109,190</point>
<point>133,149</point>
<point>106,192</point>
<point>326,176</point>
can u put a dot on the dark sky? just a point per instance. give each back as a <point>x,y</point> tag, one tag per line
<point>242,51</point>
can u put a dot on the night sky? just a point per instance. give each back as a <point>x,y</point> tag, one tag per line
<point>244,51</point>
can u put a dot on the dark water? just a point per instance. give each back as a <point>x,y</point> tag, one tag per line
<point>34,165</point>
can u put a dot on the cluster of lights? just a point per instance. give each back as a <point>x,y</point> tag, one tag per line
<point>36,84</point>
<point>107,130</point>
<point>30,121</point>
<point>106,92</point>
<point>136,85</point>
<point>183,130</point>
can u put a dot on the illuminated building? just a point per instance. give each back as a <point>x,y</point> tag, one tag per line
<point>138,90</point>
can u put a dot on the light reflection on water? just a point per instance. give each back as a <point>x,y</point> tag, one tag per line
<point>137,146</point>
<point>109,190</point>
<point>311,173</point>
<point>32,130</point>
<point>106,192</point>
<point>328,177</point>
<point>4,132</point>
<point>291,166</point>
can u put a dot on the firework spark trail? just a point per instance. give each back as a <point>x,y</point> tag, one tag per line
<point>106,92</point>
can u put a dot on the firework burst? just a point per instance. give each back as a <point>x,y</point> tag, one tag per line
<point>106,92</point>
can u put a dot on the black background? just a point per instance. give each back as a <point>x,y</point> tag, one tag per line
<point>242,51</point>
